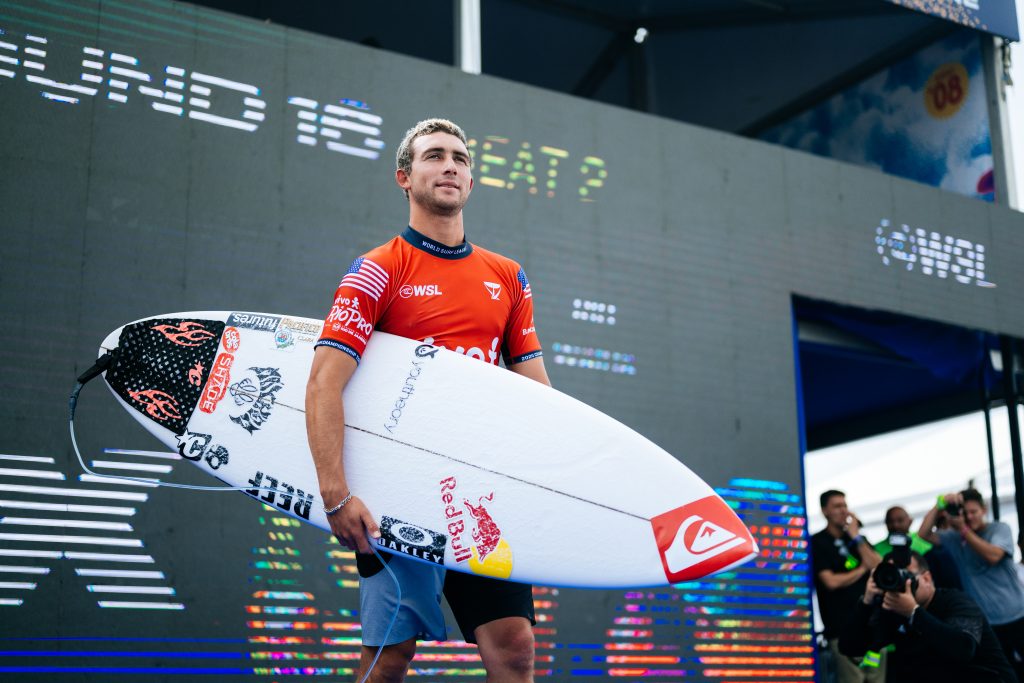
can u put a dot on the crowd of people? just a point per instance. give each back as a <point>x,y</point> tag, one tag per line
<point>944,603</point>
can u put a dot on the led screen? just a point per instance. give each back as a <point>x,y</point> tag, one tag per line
<point>163,158</point>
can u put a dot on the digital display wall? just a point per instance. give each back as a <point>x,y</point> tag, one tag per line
<point>162,158</point>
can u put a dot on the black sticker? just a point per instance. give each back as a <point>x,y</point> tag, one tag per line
<point>412,539</point>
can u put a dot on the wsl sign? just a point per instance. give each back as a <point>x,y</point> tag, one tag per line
<point>998,17</point>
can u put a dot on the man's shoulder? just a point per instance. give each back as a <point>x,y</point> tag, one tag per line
<point>495,259</point>
<point>996,527</point>
<point>384,255</point>
<point>949,600</point>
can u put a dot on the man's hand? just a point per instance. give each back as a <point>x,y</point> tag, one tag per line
<point>853,526</point>
<point>954,498</point>
<point>872,591</point>
<point>352,524</point>
<point>902,604</point>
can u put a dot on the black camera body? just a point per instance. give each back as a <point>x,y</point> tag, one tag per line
<point>954,509</point>
<point>892,573</point>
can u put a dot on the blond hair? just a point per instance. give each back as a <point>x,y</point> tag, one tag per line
<point>403,157</point>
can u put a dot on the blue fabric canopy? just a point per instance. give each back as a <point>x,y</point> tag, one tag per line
<point>924,370</point>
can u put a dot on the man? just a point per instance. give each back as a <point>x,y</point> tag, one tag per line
<point>943,569</point>
<point>939,634</point>
<point>479,301</point>
<point>842,560</point>
<point>983,553</point>
<point>898,521</point>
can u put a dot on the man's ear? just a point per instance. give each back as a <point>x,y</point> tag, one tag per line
<point>402,178</point>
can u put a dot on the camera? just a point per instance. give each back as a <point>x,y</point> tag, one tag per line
<point>892,573</point>
<point>953,509</point>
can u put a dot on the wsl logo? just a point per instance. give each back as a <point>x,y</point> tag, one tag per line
<point>420,290</point>
<point>701,538</point>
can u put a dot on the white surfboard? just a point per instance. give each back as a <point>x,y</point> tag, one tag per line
<point>462,463</point>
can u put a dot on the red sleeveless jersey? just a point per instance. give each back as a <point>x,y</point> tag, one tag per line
<point>466,299</point>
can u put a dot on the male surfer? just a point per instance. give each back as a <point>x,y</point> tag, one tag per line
<point>430,284</point>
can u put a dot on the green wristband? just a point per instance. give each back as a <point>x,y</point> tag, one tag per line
<point>941,504</point>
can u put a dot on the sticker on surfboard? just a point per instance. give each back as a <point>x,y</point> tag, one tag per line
<point>700,538</point>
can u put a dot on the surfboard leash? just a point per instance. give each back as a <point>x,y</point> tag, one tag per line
<point>99,367</point>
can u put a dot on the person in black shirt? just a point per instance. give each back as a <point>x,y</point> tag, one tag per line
<point>938,634</point>
<point>842,560</point>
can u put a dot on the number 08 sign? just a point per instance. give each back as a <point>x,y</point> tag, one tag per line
<point>946,91</point>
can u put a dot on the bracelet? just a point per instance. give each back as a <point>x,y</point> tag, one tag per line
<point>343,503</point>
<point>855,540</point>
<point>941,504</point>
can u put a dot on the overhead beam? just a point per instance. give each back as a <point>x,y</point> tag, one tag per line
<point>603,65</point>
<point>904,48</point>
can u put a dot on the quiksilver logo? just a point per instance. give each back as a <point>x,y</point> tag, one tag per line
<point>706,541</point>
<point>692,545</point>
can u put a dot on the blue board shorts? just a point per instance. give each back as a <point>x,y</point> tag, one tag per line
<point>420,616</point>
<point>475,600</point>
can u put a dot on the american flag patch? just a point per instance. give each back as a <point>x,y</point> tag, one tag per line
<point>366,276</point>
<point>521,276</point>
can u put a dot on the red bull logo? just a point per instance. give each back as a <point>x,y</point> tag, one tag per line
<point>486,552</point>
<point>700,539</point>
<point>487,534</point>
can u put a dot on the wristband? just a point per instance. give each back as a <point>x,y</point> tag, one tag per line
<point>941,503</point>
<point>855,540</point>
<point>343,503</point>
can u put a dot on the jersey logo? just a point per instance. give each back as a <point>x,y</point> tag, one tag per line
<point>419,290</point>
<point>701,538</point>
<point>493,288</point>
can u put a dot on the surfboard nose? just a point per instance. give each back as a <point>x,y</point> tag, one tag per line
<point>701,538</point>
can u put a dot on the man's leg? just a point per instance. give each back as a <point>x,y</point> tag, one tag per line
<point>392,665</point>
<point>847,670</point>
<point>497,616</point>
<point>507,649</point>
<point>385,620</point>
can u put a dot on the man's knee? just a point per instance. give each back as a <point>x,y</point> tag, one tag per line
<point>393,663</point>
<point>508,644</point>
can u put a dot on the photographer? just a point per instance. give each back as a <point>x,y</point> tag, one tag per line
<point>983,551</point>
<point>937,634</point>
<point>842,560</point>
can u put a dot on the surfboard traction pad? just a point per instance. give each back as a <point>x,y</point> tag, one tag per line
<point>161,365</point>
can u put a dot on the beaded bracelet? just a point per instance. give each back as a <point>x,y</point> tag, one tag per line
<point>343,503</point>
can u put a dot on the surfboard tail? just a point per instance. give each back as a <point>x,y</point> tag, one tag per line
<point>160,366</point>
<point>701,538</point>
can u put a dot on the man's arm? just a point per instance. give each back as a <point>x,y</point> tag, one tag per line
<point>869,557</point>
<point>854,636</point>
<point>533,369</point>
<point>836,580</point>
<point>325,430</point>
<point>927,530</point>
<point>955,640</point>
<point>989,552</point>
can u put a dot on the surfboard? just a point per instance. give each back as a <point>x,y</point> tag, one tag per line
<point>463,464</point>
